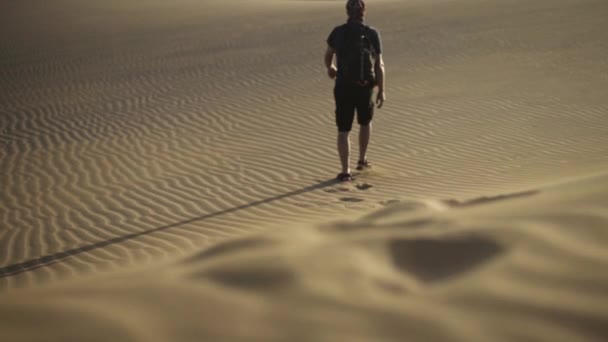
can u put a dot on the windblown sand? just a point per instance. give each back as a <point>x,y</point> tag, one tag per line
<point>167,173</point>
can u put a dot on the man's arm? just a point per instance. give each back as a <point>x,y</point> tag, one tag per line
<point>379,70</point>
<point>329,57</point>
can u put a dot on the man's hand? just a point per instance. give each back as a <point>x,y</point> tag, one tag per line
<point>380,98</point>
<point>332,71</point>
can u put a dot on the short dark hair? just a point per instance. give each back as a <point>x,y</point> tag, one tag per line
<point>353,7</point>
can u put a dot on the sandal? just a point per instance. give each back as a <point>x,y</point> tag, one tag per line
<point>344,177</point>
<point>363,164</point>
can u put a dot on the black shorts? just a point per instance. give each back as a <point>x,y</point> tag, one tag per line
<point>349,97</point>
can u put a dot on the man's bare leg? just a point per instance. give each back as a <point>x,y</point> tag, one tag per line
<point>364,135</point>
<point>344,150</point>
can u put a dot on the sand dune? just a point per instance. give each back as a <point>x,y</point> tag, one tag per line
<point>523,267</point>
<point>167,173</point>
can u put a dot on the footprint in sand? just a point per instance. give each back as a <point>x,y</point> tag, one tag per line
<point>363,186</point>
<point>351,199</point>
<point>337,190</point>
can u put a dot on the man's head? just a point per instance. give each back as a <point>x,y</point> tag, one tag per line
<point>355,9</point>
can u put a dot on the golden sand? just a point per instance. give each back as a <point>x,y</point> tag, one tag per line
<point>167,174</point>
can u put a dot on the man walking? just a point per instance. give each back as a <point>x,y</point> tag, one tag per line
<point>359,69</point>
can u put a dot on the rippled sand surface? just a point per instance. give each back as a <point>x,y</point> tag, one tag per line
<point>167,174</point>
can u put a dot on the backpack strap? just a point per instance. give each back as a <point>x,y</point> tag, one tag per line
<point>368,30</point>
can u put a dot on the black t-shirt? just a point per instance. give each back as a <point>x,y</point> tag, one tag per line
<point>337,38</point>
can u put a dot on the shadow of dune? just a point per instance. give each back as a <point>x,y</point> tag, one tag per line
<point>229,247</point>
<point>485,200</point>
<point>432,260</point>
<point>260,279</point>
<point>50,259</point>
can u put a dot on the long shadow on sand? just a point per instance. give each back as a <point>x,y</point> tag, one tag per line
<point>50,259</point>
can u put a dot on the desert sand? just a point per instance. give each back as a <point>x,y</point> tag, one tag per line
<point>167,172</point>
